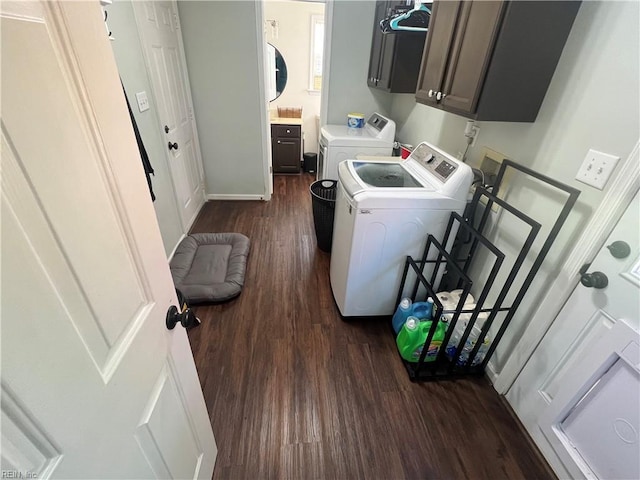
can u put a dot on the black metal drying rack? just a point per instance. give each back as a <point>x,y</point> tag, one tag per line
<point>469,235</point>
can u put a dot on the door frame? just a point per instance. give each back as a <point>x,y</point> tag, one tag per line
<point>621,190</point>
<point>196,140</point>
<point>326,64</point>
<point>262,90</point>
<point>265,130</point>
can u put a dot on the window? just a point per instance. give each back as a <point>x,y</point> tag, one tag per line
<point>317,46</point>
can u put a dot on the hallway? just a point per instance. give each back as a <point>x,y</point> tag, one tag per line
<point>295,392</point>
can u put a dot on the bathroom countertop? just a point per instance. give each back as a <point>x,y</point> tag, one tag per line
<point>285,121</point>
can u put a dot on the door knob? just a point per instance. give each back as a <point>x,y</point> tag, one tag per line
<point>173,146</point>
<point>186,318</point>
<point>166,129</point>
<point>596,280</point>
<point>619,249</point>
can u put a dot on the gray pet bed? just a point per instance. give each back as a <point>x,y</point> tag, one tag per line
<point>210,267</point>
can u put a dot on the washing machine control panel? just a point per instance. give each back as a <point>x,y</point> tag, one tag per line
<point>437,164</point>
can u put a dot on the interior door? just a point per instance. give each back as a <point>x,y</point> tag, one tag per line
<point>93,383</point>
<point>579,393</point>
<point>162,45</point>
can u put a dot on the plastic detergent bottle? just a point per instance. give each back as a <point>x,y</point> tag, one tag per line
<point>423,310</point>
<point>402,313</point>
<point>413,336</point>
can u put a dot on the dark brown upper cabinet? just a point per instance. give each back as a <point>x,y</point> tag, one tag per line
<point>395,58</point>
<point>493,60</point>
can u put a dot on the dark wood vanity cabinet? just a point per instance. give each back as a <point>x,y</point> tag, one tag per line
<point>493,60</point>
<point>394,63</point>
<point>286,148</point>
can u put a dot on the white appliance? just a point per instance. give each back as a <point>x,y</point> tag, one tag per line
<point>384,211</point>
<point>339,142</point>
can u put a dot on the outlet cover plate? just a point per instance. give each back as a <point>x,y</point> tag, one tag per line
<point>597,168</point>
<point>143,101</point>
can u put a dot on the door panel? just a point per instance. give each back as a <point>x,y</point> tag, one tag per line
<point>25,446</point>
<point>471,54</point>
<point>86,285</point>
<point>376,44</point>
<point>568,373</point>
<point>159,28</point>
<point>436,50</point>
<point>158,447</point>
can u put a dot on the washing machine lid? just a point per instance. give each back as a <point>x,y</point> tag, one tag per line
<point>385,175</point>
<point>383,179</point>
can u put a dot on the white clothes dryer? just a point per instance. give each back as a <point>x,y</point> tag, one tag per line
<point>339,142</point>
<point>384,212</point>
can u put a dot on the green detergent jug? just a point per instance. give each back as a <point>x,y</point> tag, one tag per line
<point>414,334</point>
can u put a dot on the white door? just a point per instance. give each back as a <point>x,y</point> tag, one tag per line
<point>579,394</point>
<point>93,383</point>
<point>162,46</point>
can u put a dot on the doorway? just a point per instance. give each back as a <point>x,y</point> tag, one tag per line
<point>296,30</point>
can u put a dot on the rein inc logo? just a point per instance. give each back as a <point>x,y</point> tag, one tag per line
<point>18,474</point>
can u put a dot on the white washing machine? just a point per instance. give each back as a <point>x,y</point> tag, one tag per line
<point>384,212</point>
<point>339,142</point>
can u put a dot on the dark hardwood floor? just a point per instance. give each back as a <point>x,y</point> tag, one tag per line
<point>295,392</point>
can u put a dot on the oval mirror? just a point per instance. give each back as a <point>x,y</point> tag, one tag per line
<point>277,72</point>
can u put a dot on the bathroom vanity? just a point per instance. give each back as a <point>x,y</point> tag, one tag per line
<point>286,144</point>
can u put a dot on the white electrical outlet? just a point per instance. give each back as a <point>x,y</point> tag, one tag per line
<point>476,132</point>
<point>143,101</point>
<point>597,168</point>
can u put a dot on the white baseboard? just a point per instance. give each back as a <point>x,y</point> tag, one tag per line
<point>491,374</point>
<point>173,252</point>
<point>233,196</point>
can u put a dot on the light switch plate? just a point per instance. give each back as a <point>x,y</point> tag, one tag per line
<point>597,168</point>
<point>143,101</point>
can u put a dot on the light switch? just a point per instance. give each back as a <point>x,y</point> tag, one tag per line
<point>597,168</point>
<point>143,101</point>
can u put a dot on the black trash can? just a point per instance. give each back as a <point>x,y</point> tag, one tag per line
<point>323,202</point>
<point>310,162</point>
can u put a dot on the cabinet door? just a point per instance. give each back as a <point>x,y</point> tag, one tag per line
<point>286,155</point>
<point>478,26</point>
<point>387,60</point>
<point>377,40</point>
<point>442,26</point>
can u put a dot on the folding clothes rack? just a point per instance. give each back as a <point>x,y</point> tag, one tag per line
<point>470,236</point>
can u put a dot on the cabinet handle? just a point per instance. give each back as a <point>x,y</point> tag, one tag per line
<point>439,96</point>
<point>431,93</point>
<point>278,141</point>
<point>288,131</point>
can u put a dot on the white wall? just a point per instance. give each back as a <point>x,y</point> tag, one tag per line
<point>593,102</point>
<point>128,54</point>
<point>221,46</point>
<point>294,43</point>
<point>352,26</point>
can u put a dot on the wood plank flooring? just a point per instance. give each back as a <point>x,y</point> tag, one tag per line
<point>295,392</point>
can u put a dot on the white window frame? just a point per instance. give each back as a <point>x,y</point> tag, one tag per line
<point>315,21</point>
